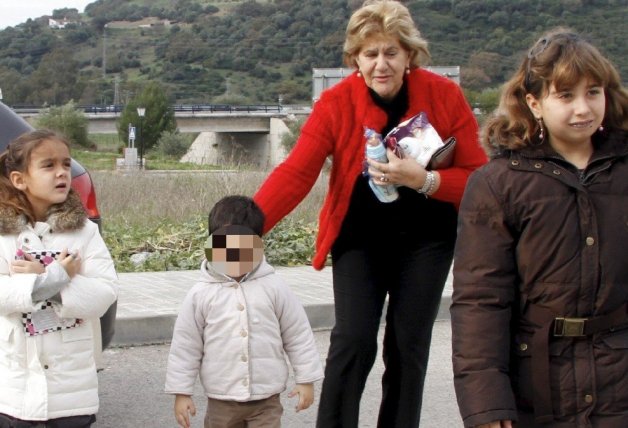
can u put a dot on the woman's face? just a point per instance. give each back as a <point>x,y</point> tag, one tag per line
<point>383,62</point>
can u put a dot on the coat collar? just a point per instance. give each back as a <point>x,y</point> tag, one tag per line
<point>209,274</point>
<point>64,217</point>
<point>615,144</point>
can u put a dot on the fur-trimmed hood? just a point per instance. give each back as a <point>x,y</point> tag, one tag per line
<point>64,217</point>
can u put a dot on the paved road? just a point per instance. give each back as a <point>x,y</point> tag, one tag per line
<point>131,388</point>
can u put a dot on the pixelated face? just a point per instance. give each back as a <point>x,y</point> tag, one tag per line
<point>234,250</point>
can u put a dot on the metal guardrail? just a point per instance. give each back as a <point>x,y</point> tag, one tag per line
<point>212,108</point>
<point>192,108</point>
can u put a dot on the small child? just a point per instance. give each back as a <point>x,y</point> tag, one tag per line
<point>56,279</point>
<point>540,304</point>
<point>235,328</point>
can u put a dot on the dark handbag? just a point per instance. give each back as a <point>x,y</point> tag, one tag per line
<point>444,156</point>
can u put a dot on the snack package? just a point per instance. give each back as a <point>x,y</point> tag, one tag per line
<point>415,138</point>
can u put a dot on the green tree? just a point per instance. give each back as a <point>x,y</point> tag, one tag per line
<point>68,120</point>
<point>55,81</point>
<point>159,116</point>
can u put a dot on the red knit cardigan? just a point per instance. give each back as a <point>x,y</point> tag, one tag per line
<point>335,128</point>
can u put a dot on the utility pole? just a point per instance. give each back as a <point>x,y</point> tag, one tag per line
<point>104,51</point>
<point>116,91</point>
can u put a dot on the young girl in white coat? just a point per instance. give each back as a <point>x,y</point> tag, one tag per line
<point>56,279</point>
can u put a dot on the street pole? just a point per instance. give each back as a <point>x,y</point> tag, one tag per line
<point>104,51</point>
<point>141,111</point>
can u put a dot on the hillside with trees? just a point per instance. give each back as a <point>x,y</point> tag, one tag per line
<point>245,52</point>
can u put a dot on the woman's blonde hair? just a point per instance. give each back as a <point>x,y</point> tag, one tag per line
<point>384,17</point>
<point>560,57</point>
<point>17,157</point>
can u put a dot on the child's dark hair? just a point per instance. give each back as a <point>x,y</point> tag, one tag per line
<point>17,157</point>
<point>236,210</point>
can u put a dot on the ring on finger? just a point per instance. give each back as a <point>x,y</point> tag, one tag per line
<point>383,178</point>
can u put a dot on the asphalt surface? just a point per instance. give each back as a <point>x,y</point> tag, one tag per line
<point>131,388</point>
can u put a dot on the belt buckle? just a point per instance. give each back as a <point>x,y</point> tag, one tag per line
<point>569,327</point>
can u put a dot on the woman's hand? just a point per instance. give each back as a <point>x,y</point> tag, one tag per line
<point>28,265</point>
<point>496,424</point>
<point>404,172</point>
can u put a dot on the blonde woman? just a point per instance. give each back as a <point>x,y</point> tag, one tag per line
<point>401,250</point>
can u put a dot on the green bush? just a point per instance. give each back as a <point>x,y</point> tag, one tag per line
<point>67,120</point>
<point>173,144</point>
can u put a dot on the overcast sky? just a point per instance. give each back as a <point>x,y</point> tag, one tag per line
<point>13,12</point>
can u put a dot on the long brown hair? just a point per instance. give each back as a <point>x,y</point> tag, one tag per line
<point>17,157</point>
<point>560,57</point>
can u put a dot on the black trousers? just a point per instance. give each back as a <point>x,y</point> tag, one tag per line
<point>83,421</point>
<point>413,279</point>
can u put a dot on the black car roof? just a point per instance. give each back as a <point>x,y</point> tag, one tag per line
<point>12,126</point>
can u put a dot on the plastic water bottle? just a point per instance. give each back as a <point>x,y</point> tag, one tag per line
<point>375,150</point>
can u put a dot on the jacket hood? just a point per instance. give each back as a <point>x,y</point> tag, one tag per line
<point>210,275</point>
<point>64,217</point>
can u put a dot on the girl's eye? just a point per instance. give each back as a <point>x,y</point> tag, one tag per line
<point>564,95</point>
<point>595,91</point>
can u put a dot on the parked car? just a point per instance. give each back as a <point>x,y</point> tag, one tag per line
<point>11,126</point>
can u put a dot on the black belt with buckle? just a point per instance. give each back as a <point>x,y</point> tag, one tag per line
<point>569,327</point>
<point>565,327</point>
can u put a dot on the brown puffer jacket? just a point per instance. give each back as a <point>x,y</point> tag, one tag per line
<point>538,241</point>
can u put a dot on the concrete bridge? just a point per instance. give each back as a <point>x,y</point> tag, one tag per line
<point>223,137</point>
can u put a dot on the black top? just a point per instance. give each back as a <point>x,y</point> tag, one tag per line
<point>410,220</point>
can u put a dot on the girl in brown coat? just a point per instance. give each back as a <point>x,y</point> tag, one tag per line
<point>539,312</point>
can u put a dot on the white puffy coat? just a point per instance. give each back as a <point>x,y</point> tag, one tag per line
<point>236,336</point>
<point>53,375</point>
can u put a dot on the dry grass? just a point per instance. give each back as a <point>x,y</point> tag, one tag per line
<point>146,199</point>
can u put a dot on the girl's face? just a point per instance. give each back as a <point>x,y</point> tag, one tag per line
<point>383,62</point>
<point>570,116</point>
<point>47,179</point>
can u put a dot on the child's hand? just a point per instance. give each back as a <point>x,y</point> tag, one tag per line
<point>183,408</point>
<point>305,391</point>
<point>27,264</point>
<point>70,262</point>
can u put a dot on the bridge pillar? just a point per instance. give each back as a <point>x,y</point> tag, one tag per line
<point>261,149</point>
<point>203,150</point>
<point>277,130</point>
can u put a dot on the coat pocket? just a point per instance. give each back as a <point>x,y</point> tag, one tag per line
<point>523,374</point>
<point>611,362</point>
<point>83,332</point>
<point>617,339</point>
